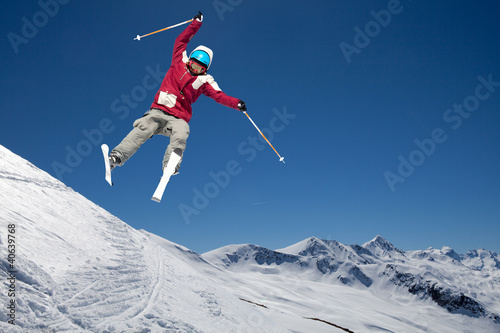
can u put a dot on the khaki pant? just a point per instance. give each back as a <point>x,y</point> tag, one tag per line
<point>152,123</point>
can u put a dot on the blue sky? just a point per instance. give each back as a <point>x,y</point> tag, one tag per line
<point>387,114</point>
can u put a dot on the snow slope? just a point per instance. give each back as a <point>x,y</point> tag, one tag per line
<point>80,269</point>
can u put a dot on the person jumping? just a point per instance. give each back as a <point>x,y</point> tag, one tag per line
<point>171,110</point>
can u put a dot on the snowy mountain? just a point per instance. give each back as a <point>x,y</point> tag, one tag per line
<point>374,287</point>
<point>77,268</point>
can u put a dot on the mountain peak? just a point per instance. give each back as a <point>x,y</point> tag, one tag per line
<point>381,241</point>
<point>381,247</point>
<point>312,246</point>
<point>448,251</point>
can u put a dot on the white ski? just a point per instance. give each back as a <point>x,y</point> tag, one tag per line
<point>167,172</point>
<point>105,152</point>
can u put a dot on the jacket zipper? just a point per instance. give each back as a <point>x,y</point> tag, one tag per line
<point>182,90</point>
<point>184,74</point>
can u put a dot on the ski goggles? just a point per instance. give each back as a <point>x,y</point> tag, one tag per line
<point>196,67</point>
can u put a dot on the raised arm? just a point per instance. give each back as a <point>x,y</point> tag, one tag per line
<point>185,36</point>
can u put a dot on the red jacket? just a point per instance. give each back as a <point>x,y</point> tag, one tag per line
<point>179,89</point>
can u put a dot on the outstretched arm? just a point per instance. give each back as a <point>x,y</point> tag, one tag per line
<point>212,90</point>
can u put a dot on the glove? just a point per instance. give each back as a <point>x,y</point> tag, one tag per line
<point>241,106</point>
<point>198,17</point>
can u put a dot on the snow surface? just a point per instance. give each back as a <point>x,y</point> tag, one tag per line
<point>80,269</point>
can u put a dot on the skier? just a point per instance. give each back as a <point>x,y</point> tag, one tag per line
<point>171,110</point>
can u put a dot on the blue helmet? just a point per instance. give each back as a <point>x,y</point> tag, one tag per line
<point>202,55</point>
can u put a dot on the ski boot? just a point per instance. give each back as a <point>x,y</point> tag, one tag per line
<point>115,159</point>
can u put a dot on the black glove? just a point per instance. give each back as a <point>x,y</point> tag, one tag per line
<point>241,106</point>
<point>198,16</point>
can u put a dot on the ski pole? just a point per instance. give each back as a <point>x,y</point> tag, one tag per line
<point>282,159</point>
<point>157,31</point>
